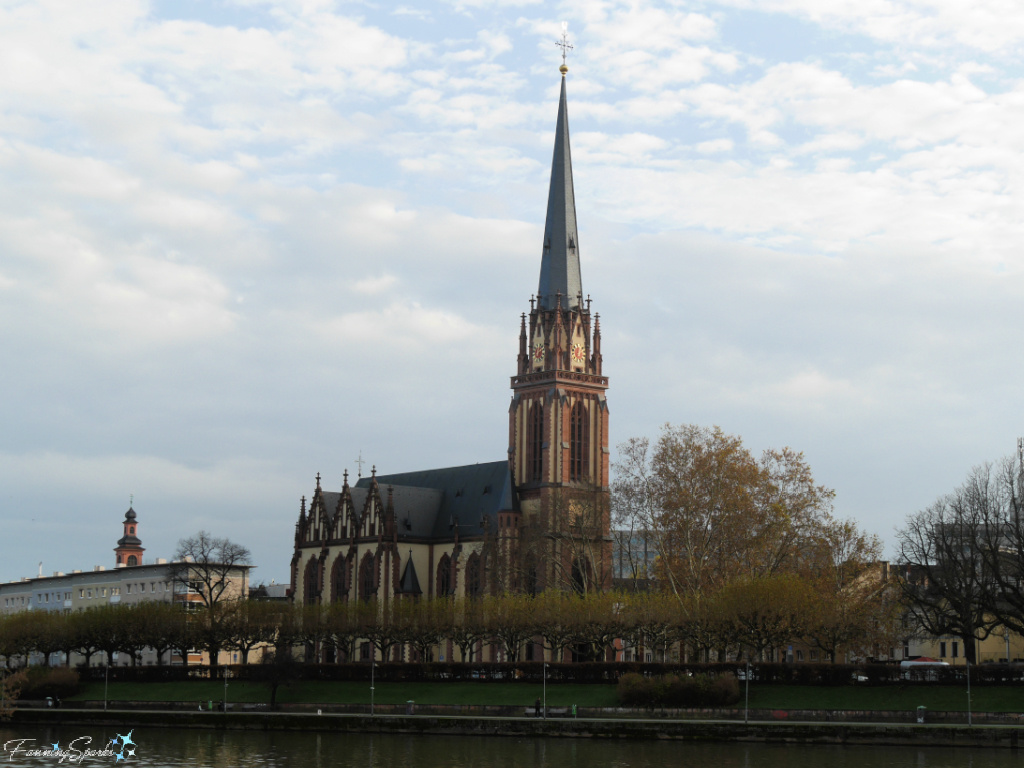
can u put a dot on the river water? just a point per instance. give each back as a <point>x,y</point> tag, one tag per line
<point>166,747</point>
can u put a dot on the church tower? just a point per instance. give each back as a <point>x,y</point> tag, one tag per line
<point>129,547</point>
<point>558,419</point>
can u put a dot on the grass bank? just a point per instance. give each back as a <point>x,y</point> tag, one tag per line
<point>889,698</point>
<point>316,692</point>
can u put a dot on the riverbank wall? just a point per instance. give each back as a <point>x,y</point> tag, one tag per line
<point>1006,736</point>
<point>896,716</point>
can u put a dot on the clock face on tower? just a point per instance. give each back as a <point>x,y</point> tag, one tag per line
<point>538,352</point>
<point>577,353</point>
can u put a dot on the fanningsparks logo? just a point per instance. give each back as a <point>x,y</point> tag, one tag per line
<point>118,748</point>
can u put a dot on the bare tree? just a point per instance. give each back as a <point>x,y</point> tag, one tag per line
<point>207,566</point>
<point>210,570</point>
<point>943,554</point>
<point>1003,541</point>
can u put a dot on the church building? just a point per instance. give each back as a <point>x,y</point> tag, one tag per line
<point>538,518</point>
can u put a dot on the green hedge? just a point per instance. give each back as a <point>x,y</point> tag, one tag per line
<point>678,691</point>
<point>607,673</point>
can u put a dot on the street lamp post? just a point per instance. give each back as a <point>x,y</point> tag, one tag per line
<point>545,691</point>
<point>225,690</point>
<point>373,666</point>
<point>106,678</point>
<point>746,702</point>
<point>968,692</point>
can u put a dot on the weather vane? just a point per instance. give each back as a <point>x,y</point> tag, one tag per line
<point>564,43</point>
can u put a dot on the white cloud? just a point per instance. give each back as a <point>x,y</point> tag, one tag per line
<point>715,146</point>
<point>987,25</point>
<point>374,285</point>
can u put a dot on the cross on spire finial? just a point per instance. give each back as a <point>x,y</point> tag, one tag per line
<point>359,463</point>
<point>564,45</point>
<point>131,499</point>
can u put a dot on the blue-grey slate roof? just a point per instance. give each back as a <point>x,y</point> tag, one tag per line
<point>429,502</point>
<point>560,260</point>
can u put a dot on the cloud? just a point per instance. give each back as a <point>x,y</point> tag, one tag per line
<point>374,285</point>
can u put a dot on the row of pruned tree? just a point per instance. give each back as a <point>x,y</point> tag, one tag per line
<point>963,557</point>
<point>162,627</point>
<point>746,618</point>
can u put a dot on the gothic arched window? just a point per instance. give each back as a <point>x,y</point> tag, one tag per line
<point>444,577</point>
<point>535,443</point>
<point>133,560</point>
<point>339,580</point>
<point>309,586</point>
<point>578,444</point>
<point>530,583</point>
<point>580,576</point>
<point>367,579</point>
<point>474,576</point>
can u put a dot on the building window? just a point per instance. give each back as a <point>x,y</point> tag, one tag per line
<point>129,588</point>
<point>81,594</point>
<point>535,443</point>
<point>942,650</point>
<point>474,576</point>
<point>956,650</point>
<point>530,583</point>
<point>578,443</point>
<point>133,560</point>
<point>310,586</point>
<point>444,577</point>
<point>579,575</point>
<point>339,582</point>
<point>367,579</point>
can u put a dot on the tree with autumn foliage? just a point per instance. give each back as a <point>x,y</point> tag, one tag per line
<point>715,516</point>
<point>765,611</point>
<point>714,512</point>
<point>466,627</point>
<point>853,603</point>
<point>511,619</point>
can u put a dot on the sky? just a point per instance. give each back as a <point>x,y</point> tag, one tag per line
<point>243,242</point>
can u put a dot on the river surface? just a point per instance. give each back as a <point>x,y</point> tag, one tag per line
<point>160,747</point>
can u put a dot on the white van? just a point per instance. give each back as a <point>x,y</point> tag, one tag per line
<point>928,668</point>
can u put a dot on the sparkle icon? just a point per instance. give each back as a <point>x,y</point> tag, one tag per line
<point>56,747</point>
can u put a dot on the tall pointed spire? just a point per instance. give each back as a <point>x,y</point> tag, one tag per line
<point>560,263</point>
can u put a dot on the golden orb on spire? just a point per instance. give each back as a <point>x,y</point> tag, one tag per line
<point>563,69</point>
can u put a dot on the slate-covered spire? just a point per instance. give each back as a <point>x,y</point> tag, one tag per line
<point>560,263</point>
